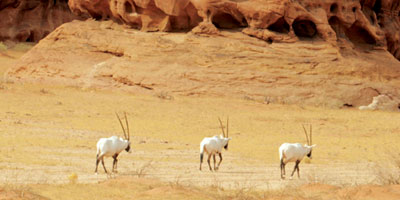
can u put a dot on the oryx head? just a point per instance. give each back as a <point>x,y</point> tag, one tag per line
<point>126,136</point>
<point>225,137</point>
<point>309,144</point>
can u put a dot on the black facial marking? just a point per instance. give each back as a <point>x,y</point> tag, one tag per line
<point>127,148</point>
<point>309,154</point>
<point>226,146</point>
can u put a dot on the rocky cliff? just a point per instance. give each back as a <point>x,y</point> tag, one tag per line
<point>31,20</point>
<point>365,23</point>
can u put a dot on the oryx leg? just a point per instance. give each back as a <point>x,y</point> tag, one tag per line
<point>282,169</point>
<point>97,163</point>
<point>214,161</point>
<point>115,162</point>
<point>201,160</point>
<point>220,160</point>
<point>102,162</point>
<point>298,170</point>
<point>208,160</point>
<point>295,167</point>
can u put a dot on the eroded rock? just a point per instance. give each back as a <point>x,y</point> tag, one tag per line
<point>31,20</point>
<point>366,24</point>
<point>382,102</point>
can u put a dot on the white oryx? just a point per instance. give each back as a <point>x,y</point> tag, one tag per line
<point>295,152</point>
<point>214,145</point>
<point>112,146</point>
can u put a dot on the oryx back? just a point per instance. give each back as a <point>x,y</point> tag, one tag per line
<point>292,152</point>
<point>110,146</point>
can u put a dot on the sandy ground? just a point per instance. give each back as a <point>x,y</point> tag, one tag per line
<point>181,166</point>
<point>44,140</point>
<point>48,132</point>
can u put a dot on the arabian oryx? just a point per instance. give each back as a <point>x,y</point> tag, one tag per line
<point>214,145</point>
<point>112,146</point>
<point>295,152</point>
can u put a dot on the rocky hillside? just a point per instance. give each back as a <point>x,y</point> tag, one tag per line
<point>325,53</point>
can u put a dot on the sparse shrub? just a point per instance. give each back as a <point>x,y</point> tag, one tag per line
<point>164,95</point>
<point>44,91</point>
<point>267,100</point>
<point>142,170</point>
<point>248,98</point>
<point>176,183</point>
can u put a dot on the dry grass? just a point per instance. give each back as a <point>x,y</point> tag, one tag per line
<point>388,172</point>
<point>123,187</point>
<point>164,95</point>
<point>143,169</point>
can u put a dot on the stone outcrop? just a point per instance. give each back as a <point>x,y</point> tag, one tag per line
<point>364,23</point>
<point>104,54</point>
<point>31,20</point>
<point>382,102</point>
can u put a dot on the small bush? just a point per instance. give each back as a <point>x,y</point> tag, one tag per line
<point>142,170</point>
<point>165,96</point>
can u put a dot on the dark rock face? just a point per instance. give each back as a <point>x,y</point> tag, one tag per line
<point>31,20</point>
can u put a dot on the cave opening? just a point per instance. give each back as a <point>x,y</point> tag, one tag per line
<point>227,21</point>
<point>31,37</point>
<point>337,26</point>
<point>358,34</point>
<point>128,7</point>
<point>304,28</point>
<point>280,26</point>
<point>96,16</point>
<point>26,36</point>
<point>377,6</point>
<point>333,8</point>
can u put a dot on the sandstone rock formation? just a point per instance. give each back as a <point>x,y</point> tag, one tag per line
<point>31,20</point>
<point>366,23</point>
<point>382,102</point>
<point>104,54</point>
